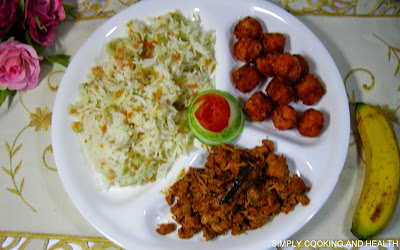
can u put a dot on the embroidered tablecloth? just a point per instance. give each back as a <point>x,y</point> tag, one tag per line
<point>363,37</point>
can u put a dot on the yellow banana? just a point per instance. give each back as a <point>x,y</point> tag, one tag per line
<point>380,191</point>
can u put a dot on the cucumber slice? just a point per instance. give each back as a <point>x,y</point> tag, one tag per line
<point>228,134</point>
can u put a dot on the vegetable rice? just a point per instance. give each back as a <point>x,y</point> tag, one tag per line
<point>131,113</point>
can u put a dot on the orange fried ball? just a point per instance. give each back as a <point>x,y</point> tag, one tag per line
<point>273,42</point>
<point>284,117</point>
<point>246,78</point>
<point>311,123</point>
<point>280,91</point>
<point>258,107</point>
<point>305,69</point>
<point>265,64</point>
<point>287,66</point>
<point>309,89</point>
<point>247,49</point>
<point>248,27</point>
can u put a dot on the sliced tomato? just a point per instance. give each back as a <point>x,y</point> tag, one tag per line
<point>213,113</point>
<point>214,117</point>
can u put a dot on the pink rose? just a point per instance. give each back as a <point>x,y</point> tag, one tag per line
<point>19,65</point>
<point>8,10</point>
<point>48,13</point>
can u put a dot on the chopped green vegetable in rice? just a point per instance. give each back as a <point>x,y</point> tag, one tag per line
<point>131,113</point>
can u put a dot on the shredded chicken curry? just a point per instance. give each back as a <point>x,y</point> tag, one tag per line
<point>199,201</point>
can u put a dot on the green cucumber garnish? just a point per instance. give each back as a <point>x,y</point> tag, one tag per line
<point>215,117</point>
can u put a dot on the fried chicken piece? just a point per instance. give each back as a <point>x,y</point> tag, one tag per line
<point>248,27</point>
<point>305,68</point>
<point>264,193</point>
<point>311,123</point>
<point>181,209</point>
<point>246,78</point>
<point>297,185</point>
<point>303,199</point>
<point>262,152</point>
<point>170,199</point>
<point>284,117</point>
<point>287,66</point>
<point>247,49</point>
<point>282,190</point>
<point>258,107</point>
<point>309,89</point>
<point>277,166</point>
<point>185,233</point>
<point>256,218</point>
<point>280,91</point>
<point>265,64</point>
<point>273,42</point>
<point>166,228</point>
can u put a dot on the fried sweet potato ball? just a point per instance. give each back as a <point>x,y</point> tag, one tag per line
<point>247,49</point>
<point>273,42</point>
<point>311,123</point>
<point>258,107</point>
<point>284,117</point>
<point>280,91</point>
<point>246,78</point>
<point>248,27</point>
<point>309,89</point>
<point>305,68</point>
<point>265,64</point>
<point>287,66</point>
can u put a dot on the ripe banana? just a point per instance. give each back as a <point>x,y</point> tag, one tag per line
<point>380,191</point>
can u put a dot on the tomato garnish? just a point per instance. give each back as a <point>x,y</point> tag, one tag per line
<point>213,113</point>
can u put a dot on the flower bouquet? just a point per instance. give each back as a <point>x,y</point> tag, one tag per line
<point>26,29</point>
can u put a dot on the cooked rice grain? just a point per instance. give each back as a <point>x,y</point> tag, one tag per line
<point>131,114</point>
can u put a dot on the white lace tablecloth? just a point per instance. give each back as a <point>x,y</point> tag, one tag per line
<point>363,38</point>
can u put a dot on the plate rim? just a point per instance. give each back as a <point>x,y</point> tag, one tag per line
<point>57,114</point>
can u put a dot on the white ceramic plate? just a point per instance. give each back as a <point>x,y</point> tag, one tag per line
<point>130,216</point>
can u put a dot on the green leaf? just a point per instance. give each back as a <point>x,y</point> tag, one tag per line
<point>39,24</point>
<point>4,93</point>
<point>60,59</point>
<point>39,48</point>
<point>67,7</point>
<point>28,38</point>
<point>22,5</point>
